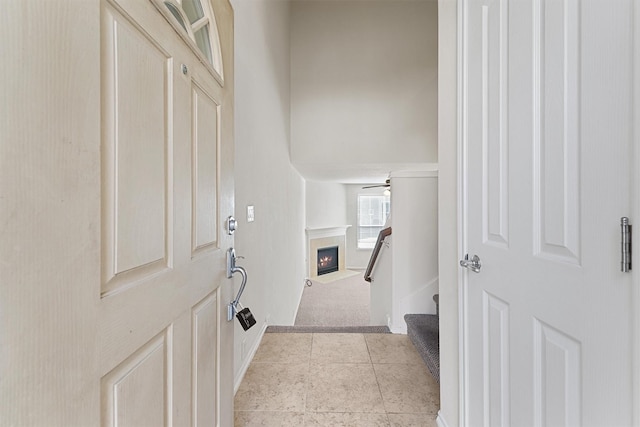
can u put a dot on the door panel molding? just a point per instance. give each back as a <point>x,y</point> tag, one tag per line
<point>557,377</point>
<point>556,127</point>
<point>206,114</point>
<point>497,379</point>
<point>204,361</point>
<point>137,160</point>
<point>495,145</point>
<point>139,390</point>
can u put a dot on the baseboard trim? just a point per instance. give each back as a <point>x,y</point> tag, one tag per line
<point>440,420</point>
<point>247,361</point>
<point>399,329</point>
<point>295,314</point>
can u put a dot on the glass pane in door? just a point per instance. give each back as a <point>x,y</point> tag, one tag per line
<point>203,42</point>
<point>193,9</point>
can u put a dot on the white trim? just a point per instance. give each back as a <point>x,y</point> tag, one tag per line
<point>247,361</point>
<point>295,314</point>
<point>317,233</point>
<point>635,211</point>
<point>463,369</point>
<point>398,330</point>
<point>440,421</point>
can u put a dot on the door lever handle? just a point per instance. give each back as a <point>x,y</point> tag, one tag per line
<point>232,268</point>
<point>472,264</point>
<point>231,262</point>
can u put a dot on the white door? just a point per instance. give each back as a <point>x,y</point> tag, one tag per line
<point>116,180</point>
<point>547,120</point>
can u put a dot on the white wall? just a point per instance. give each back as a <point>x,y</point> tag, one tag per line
<point>363,82</point>
<point>414,222</point>
<point>326,204</point>
<point>273,245</point>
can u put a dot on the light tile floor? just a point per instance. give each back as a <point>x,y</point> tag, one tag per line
<point>350,380</point>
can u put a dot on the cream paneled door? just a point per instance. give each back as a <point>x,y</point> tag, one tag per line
<point>119,178</point>
<point>547,137</point>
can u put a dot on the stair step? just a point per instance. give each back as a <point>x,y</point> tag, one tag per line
<point>423,331</point>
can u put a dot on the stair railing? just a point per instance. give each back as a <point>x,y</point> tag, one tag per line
<point>376,251</point>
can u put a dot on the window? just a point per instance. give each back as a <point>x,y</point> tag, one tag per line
<point>197,20</point>
<point>373,211</point>
<point>199,26</point>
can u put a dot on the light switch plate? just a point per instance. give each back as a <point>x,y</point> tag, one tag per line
<point>250,214</point>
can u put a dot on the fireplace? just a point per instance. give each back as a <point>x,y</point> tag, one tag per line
<point>327,260</point>
<point>323,238</point>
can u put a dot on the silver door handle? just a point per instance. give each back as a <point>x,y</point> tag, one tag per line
<point>472,264</point>
<point>232,268</point>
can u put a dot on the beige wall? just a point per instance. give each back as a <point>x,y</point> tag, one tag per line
<point>273,245</point>
<point>363,82</point>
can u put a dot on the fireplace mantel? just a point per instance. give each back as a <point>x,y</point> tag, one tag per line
<point>317,233</point>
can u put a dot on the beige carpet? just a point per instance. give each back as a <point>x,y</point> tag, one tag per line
<point>342,302</point>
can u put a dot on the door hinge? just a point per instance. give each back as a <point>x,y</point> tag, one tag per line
<point>625,246</point>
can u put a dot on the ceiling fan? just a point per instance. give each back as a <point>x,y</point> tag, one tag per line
<point>387,184</point>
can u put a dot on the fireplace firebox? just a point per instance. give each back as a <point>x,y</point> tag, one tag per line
<point>327,260</point>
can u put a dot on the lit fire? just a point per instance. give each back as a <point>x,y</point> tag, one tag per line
<point>325,261</point>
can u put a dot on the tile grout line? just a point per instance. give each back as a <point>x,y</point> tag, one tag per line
<point>375,375</point>
<point>308,384</point>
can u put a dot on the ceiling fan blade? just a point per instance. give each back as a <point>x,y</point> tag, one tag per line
<point>377,186</point>
<point>387,184</point>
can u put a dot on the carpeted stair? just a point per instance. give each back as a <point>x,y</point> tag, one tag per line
<point>423,331</point>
